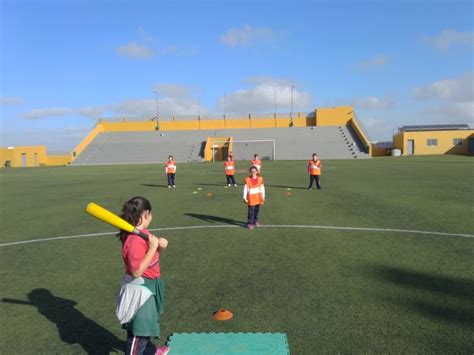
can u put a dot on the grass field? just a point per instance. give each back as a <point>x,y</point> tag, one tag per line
<point>329,290</point>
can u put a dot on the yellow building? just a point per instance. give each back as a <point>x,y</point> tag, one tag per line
<point>30,156</point>
<point>435,139</point>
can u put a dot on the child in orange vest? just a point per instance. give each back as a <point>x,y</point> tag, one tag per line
<point>170,169</point>
<point>256,162</point>
<point>229,168</point>
<point>314,170</point>
<point>254,196</point>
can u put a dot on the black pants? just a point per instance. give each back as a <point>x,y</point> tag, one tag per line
<point>316,179</point>
<point>139,345</point>
<point>170,179</point>
<point>252,215</point>
<point>230,179</point>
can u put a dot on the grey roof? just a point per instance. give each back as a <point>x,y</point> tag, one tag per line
<point>434,127</point>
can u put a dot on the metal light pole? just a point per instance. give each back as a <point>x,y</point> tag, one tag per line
<point>156,97</point>
<point>291,114</point>
<point>224,105</point>
<point>250,101</point>
<point>275,97</point>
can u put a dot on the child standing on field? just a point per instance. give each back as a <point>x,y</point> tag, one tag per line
<point>170,169</point>
<point>314,170</point>
<point>140,299</point>
<point>256,162</point>
<point>254,196</point>
<point>229,168</point>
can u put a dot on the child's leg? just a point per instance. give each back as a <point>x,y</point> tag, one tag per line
<point>310,181</point>
<point>255,216</point>
<point>169,179</point>
<point>228,179</point>
<point>139,345</point>
<point>250,215</point>
<point>172,178</point>
<point>233,179</point>
<point>317,181</point>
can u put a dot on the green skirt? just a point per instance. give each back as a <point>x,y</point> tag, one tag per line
<point>146,322</point>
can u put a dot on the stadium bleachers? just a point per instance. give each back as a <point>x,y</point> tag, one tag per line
<point>296,143</point>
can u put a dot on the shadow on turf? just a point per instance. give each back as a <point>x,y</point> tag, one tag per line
<point>216,184</point>
<point>286,187</point>
<point>73,326</point>
<point>213,219</point>
<point>462,290</point>
<point>279,186</point>
<point>152,185</point>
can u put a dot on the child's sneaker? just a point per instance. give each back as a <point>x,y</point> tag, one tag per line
<point>234,185</point>
<point>228,185</point>
<point>249,226</point>
<point>257,224</point>
<point>174,186</point>
<point>169,187</point>
<point>162,350</point>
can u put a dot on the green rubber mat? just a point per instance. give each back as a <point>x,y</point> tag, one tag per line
<point>229,343</point>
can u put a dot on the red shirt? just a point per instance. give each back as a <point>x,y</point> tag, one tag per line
<point>133,252</point>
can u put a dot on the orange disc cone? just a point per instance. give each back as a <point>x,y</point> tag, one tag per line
<point>222,314</point>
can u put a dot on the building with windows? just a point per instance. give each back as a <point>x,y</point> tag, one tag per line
<point>435,139</point>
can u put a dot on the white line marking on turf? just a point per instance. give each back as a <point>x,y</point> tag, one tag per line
<point>242,225</point>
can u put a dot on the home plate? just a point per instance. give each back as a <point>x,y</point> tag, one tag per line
<point>229,343</point>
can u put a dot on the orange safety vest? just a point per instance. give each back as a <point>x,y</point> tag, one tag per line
<point>314,167</point>
<point>171,166</point>
<point>257,163</point>
<point>229,167</point>
<point>254,192</point>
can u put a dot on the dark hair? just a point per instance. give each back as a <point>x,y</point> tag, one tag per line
<point>253,167</point>
<point>132,211</point>
<point>170,156</point>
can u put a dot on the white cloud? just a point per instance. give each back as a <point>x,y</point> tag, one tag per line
<point>166,106</point>
<point>449,99</point>
<point>447,38</point>
<point>135,50</point>
<point>48,112</point>
<point>173,99</point>
<point>261,98</point>
<point>372,63</point>
<point>464,110</point>
<point>277,82</point>
<point>459,89</point>
<point>10,101</point>
<point>246,35</point>
<point>372,103</point>
<point>90,111</point>
<point>172,90</point>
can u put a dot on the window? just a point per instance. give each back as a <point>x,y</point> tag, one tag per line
<point>431,142</point>
<point>457,141</point>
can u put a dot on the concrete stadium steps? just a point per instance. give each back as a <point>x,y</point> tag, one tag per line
<point>298,143</point>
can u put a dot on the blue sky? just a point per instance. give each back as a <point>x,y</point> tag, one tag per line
<point>66,63</point>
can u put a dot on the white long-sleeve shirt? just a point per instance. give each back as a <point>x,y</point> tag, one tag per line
<point>246,190</point>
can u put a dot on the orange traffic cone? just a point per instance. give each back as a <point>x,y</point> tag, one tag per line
<point>222,314</point>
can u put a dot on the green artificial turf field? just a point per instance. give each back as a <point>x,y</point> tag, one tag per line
<point>330,290</point>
